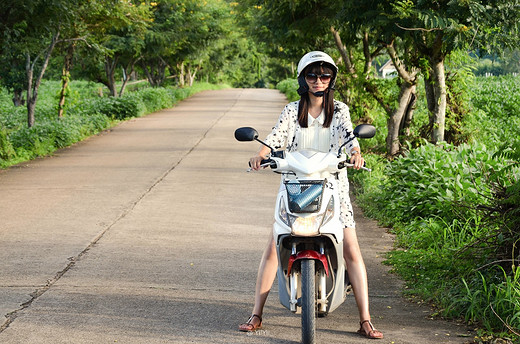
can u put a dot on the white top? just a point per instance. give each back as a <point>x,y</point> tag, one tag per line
<point>315,136</point>
<point>286,134</point>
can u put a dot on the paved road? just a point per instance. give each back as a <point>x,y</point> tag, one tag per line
<point>152,233</point>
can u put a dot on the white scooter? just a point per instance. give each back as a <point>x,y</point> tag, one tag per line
<point>312,274</point>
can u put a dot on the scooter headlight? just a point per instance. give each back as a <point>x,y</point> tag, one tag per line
<point>307,226</point>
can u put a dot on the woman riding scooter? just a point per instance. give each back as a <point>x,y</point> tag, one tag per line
<point>319,122</point>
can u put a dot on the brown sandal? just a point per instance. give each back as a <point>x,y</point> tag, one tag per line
<point>249,326</point>
<point>372,334</point>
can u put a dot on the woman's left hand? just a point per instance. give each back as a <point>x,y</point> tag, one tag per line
<point>357,160</point>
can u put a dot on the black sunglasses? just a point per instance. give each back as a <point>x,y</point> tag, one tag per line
<point>325,78</point>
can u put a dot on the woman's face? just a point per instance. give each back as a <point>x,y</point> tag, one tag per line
<point>318,78</point>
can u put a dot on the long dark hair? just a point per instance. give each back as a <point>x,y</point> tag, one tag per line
<point>328,97</point>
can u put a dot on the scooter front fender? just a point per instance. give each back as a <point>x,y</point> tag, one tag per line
<point>308,254</point>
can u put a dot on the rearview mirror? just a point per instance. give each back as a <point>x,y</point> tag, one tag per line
<point>365,131</point>
<point>246,134</point>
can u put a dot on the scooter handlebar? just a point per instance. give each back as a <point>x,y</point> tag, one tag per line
<point>345,164</point>
<point>272,163</point>
<point>265,163</point>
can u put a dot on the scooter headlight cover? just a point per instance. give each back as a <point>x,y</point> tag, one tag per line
<point>307,226</point>
<point>329,212</point>
<point>283,214</point>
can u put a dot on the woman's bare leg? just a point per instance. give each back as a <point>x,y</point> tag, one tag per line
<point>266,275</point>
<point>356,271</point>
<point>264,282</point>
<point>357,274</point>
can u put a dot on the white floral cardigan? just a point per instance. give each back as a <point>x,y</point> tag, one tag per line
<point>285,134</point>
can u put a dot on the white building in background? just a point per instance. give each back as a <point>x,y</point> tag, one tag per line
<point>388,70</point>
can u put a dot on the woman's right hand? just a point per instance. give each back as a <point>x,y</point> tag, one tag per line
<point>262,154</point>
<point>255,162</point>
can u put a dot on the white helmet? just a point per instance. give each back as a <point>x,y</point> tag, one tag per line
<point>315,56</point>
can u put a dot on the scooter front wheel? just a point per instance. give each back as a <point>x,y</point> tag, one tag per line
<point>308,301</point>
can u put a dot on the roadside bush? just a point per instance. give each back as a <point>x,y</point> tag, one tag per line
<point>429,180</point>
<point>6,148</point>
<point>289,87</point>
<point>456,215</point>
<point>155,99</point>
<point>115,108</point>
<point>46,136</point>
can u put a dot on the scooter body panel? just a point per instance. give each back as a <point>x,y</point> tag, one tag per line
<point>326,240</point>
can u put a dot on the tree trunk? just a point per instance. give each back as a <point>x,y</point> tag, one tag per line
<point>18,98</point>
<point>127,73</point>
<point>404,129</point>
<point>147,73</point>
<point>435,88</point>
<point>31,105</point>
<point>155,71</point>
<point>181,74</point>
<point>191,77</point>
<point>32,88</point>
<point>192,72</point>
<point>430,93</point>
<point>347,57</point>
<point>65,77</point>
<point>110,72</point>
<point>125,81</point>
<point>439,111</point>
<point>399,121</point>
<point>402,114</point>
<point>369,56</point>
<point>343,51</point>
<point>29,70</point>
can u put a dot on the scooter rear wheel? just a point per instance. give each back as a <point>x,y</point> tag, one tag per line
<point>308,301</point>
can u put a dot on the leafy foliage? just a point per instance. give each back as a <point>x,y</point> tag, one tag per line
<point>455,213</point>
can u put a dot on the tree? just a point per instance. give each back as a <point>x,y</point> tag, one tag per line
<point>114,33</point>
<point>32,29</point>
<point>162,39</point>
<point>209,29</point>
<point>12,66</point>
<point>304,25</point>
<point>182,37</point>
<point>378,32</point>
<point>438,28</point>
<point>120,37</point>
<point>418,35</point>
<point>92,21</point>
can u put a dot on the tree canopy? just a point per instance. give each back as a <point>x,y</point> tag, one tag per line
<point>256,43</point>
<point>417,35</point>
